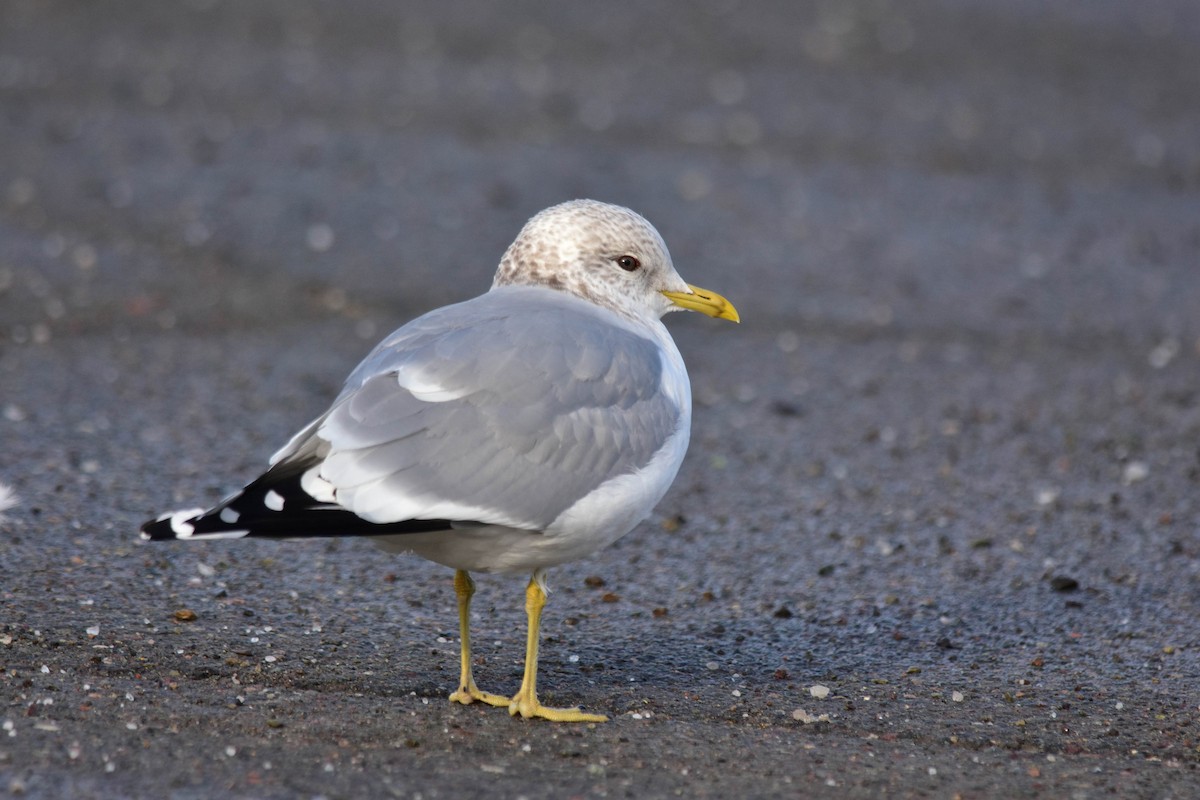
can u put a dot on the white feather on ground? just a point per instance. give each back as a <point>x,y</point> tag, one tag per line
<point>8,500</point>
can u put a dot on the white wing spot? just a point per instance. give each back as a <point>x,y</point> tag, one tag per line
<point>229,515</point>
<point>273,500</point>
<point>317,487</point>
<point>8,499</point>
<point>181,524</point>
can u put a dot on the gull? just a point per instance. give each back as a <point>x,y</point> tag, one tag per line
<point>525,428</point>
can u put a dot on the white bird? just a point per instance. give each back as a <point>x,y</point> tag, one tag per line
<point>528,427</point>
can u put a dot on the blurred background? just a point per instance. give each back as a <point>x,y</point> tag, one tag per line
<point>1001,166</point>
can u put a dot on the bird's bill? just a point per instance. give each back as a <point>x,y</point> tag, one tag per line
<point>705,302</point>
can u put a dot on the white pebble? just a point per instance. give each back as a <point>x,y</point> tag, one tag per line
<point>818,691</point>
<point>800,715</point>
<point>1135,472</point>
<point>1164,353</point>
<point>320,237</point>
<point>1047,497</point>
<point>8,499</point>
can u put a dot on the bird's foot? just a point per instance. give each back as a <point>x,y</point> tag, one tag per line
<point>527,705</point>
<point>469,693</point>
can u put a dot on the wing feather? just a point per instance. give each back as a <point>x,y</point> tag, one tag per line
<point>505,409</point>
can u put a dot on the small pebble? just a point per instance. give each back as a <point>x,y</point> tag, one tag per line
<point>1063,583</point>
<point>1047,497</point>
<point>1135,472</point>
<point>320,237</point>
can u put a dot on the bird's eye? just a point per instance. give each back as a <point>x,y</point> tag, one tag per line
<point>628,263</point>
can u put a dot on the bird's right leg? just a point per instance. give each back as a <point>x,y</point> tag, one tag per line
<point>468,692</point>
<point>525,702</point>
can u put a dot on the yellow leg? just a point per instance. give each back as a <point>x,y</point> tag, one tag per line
<point>468,692</point>
<point>525,701</point>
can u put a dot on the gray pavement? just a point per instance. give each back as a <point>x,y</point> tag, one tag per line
<point>946,470</point>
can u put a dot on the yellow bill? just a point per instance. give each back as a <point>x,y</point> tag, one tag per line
<point>705,302</point>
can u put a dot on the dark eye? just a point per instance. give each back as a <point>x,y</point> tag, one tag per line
<point>628,263</point>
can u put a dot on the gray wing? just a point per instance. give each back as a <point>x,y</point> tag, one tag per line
<point>505,409</point>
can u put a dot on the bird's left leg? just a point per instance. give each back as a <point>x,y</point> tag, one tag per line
<point>468,692</point>
<point>525,702</point>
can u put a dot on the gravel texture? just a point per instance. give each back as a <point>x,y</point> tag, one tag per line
<point>937,534</point>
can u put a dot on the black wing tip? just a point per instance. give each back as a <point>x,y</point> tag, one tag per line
<point>313,523</point>
<point>276,506</point>
<point>156,530</point>
<point>175,525</point>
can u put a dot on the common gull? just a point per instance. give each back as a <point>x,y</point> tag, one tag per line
<point>528,427</point>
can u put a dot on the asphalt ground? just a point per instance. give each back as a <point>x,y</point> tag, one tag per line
<point>936,535</point>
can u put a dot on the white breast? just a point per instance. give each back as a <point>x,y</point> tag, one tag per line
<point>611,510</point>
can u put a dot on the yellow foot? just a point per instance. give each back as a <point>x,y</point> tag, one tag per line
<point>530,707</point>
<point>470,693</point>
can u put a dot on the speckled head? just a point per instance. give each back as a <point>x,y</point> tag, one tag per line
<point>603,253</point>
